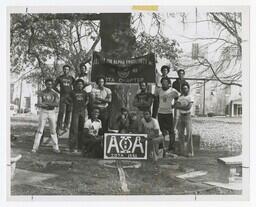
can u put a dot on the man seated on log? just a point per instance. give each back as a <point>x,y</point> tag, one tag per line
<point>150,126</point>
<point>93,136</point>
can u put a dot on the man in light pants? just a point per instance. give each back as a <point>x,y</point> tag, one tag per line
<point>47,101</point>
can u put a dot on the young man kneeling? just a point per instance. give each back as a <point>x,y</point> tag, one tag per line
<point>150,126</point>
<point>93,139</point>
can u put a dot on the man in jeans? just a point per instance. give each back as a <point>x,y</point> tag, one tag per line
<point>184,105</point>
<point>164,100</point>
<point>80,99</point>
<point>66,84</point>
<point>47,101</point>
<point>101,97</point>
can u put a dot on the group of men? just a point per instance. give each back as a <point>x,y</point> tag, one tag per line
<point>87,106</point>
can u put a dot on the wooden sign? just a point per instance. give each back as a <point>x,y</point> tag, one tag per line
<point>125,146</point>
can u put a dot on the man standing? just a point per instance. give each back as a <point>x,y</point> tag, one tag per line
<point>80,99</point>
<point>87,86</point>
<point>66,83</point>
<point>101,97</point>
<point>164,101</point>
<point>143,100</point>
<point>150,127</point>
<point>179,81</point>
<point>47,101</point>
<point>84,76</point>
<point>184,104</point>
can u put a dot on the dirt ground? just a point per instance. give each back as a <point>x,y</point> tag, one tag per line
<point>84,176</point>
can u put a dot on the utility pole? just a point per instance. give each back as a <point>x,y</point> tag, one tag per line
<point>21,83</point>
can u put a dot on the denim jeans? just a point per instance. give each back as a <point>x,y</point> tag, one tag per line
<point>76,130</point>
<point>186,142</point>
<point>64,108</point>
<point>104,117</point>
<point>45,115</point>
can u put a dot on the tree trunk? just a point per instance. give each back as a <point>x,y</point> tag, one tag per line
<point>117,41</point>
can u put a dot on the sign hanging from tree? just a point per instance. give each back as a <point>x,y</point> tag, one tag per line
<point>132,70</point>
<point>125,146</point>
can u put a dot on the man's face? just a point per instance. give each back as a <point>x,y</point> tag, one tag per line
<point>95,113</point>
<point>165,84</point>
<point>83,69</point>
<point>124,114</point>
<point>185,89</point>
<point>79,85</point>
<point>143,86</point>
<point>66,70</point>
<point>147,116</point>
<point>164,71</point>
<point>181,74</point>
<point>49,85</point>
<point>101,82</point>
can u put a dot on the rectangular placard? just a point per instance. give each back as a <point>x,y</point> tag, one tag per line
<point>133,70</point>
<point>125,146</point>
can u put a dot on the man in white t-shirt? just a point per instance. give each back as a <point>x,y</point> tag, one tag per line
<point>184,105</point>
<point>101,97</point>
<point>92,143</point>
<point>165,97</point>
<point>151,127</point>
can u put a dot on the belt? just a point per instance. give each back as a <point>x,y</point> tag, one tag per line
<point>185,114</point>
<point>48,109</point>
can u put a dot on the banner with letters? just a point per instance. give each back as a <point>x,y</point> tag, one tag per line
<point>125,146</point>
<point>133,70</point>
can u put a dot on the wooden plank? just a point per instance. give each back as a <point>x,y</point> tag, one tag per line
<point>192,174</point>
<point>235,160</point>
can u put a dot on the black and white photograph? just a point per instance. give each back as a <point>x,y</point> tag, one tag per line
<point>128,101</point>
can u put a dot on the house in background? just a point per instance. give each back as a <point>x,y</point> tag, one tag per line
<point>23,94</point>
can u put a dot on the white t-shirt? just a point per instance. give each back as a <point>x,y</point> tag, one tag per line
<point>187,98</point>
<point>151,126</point>
<point>104,93</point>
<point>166,99</point>
<point>93,127</point>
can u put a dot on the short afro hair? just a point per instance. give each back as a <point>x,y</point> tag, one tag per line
<point>82,64</point>
<point>181,70</point>
<point>143,82</point>
<point>185,84</point>
<point>48,80</point>
<point>79,81</point>
<point>100,77</point>
<point>165,66</point>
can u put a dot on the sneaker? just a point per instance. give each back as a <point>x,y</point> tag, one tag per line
<point>33,151</point>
